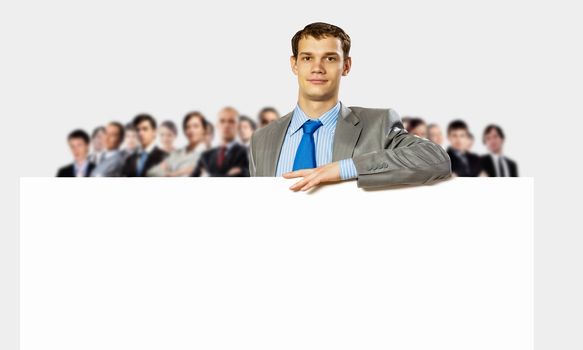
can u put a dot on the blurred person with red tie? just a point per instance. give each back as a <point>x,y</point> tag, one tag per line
<point>495,163</point>
<point>230,158</point>
<point>81,167</point>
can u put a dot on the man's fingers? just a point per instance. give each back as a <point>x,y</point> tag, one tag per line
<point>310,184</point>
<point>301,184</point>
<point>297,173</point>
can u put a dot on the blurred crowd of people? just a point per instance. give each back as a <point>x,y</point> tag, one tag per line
<point>146,148</point>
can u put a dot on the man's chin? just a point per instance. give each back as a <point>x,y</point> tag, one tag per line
<point>319,95</point>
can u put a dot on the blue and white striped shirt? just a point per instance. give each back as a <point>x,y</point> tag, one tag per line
<point>323,138</point>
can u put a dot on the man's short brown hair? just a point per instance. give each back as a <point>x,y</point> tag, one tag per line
<point>320,30</point>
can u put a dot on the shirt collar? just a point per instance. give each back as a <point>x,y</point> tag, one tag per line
<point>149,148</point>
<point>328,119</point>
<point>111,153</point>
<point>231,144</point>
<point>83,166</point>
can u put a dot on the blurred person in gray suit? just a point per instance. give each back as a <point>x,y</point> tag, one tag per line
<point>97,145</point>
<point>322,140</point>
<point>113,159</point>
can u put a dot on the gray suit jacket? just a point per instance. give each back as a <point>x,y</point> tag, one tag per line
<point>110,167</point>
<point>383,152</point>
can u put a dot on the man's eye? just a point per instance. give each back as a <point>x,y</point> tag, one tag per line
<point>331,58</point>
<point>306,58</point>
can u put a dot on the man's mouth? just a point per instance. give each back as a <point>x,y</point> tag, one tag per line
<point>318,81</point>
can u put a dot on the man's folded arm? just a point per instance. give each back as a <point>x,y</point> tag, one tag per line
<point>405,160</point>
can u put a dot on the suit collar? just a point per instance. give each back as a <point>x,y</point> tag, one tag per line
<point>348,129</point>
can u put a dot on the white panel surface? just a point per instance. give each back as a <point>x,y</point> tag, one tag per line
<point>214,263</point>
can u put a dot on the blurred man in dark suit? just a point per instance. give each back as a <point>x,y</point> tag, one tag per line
<point>230,158</point>
<point>463,162</point>
<point>113,158</point>
<point>81,167</point>
<point>149,155</point>
<point>495,163</point>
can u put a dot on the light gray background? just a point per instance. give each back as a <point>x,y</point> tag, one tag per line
<point>67,64</point>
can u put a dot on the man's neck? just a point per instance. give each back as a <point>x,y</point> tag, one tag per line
<point>80,162</point>
<point>226,142</point>
<point>145,147</point>
<point>314,109</point>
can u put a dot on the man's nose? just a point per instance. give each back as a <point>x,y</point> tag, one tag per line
<point>317,66</point>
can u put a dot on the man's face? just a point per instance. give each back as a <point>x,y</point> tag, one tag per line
<point>493,141</point>
<point>79,149</point>
<point>319,67</point>
<point>420,130</point>
<point>434,135</point>
<point>458,139</point>
<point>228,124</point>
<point>194,131</point>
<point>146,133</point>
<point>98,142</point>
<point>245,131</point>
<point>112,137</point>
<point>131,139</point>
<point>268,117</point>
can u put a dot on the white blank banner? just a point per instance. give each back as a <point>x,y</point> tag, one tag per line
<point>217,263</point>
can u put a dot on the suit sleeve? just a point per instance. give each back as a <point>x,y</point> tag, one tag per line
<point>199,166</point>
<point>242,161</point>
<point>405,159</point>
<point>251,160</point>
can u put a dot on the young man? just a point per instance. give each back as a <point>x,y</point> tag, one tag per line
<point>149,155</point>
<point>463,162</point>
<point>496,164</point>
<point>81,167</point>
<point>323,140</point>
<point>113,159</point>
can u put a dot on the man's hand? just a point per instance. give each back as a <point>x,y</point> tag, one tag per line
<point>313,177</point>
<point>234,171</point>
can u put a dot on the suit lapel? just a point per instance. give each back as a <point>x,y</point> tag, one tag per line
<point>348,129</point>
<point>276,137</point>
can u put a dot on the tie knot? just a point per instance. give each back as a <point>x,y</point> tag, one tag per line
<point>311,126</point>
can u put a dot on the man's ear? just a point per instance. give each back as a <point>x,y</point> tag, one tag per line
<point>347,65</point>
<point>293,63</point>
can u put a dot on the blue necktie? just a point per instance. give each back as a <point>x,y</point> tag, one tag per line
<point>142,162</point>
<point>306,153</point>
